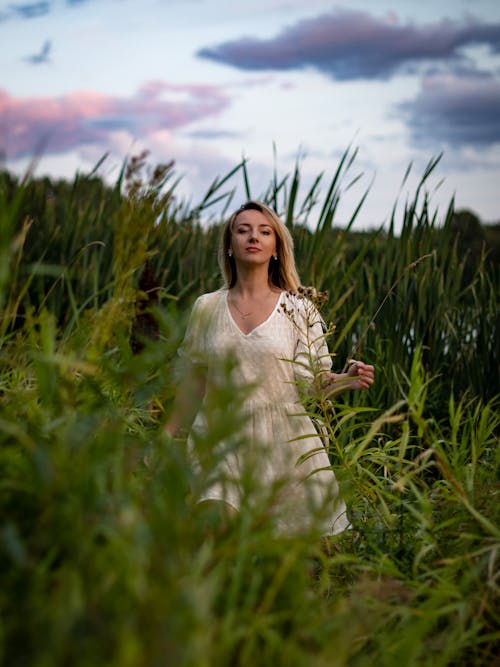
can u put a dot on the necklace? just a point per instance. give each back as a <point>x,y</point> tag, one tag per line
<point>241,313</point>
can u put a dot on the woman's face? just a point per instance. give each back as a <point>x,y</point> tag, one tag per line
<point>253,239</point>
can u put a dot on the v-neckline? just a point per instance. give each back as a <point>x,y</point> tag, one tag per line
<point>261,324</point>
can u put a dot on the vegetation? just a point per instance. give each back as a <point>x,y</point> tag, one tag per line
<point>105,559</point>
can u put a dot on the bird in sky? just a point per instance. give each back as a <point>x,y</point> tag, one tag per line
<point>42,56</point>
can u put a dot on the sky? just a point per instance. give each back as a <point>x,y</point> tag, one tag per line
<point>207,83</point>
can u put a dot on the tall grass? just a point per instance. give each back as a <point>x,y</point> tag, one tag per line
<point>107,560</point>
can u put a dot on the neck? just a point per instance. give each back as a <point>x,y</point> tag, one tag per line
<point>252,283</point>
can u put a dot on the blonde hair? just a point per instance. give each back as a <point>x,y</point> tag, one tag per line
<point>282,272</point>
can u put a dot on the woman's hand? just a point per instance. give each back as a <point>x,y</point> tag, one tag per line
<point>360,376</point>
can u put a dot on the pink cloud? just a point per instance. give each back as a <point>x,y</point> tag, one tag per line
<point>53,125</point>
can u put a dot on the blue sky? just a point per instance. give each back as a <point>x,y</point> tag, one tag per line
<point>205,82</point>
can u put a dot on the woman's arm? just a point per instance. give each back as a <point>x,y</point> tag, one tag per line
<point>191,377</point>
<point>313,361</point>
<point>190,393</point>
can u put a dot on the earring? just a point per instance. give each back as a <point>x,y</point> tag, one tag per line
<point>275,257</point>
<point>229,253</point>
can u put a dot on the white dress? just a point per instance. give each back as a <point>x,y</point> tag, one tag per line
<point>277,449</point>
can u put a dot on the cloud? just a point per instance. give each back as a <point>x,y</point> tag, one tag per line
<point>347,44</point>
<point>456,110</point>
<point>30,10</point>
<point>58,125</point>
<point>42,56</point>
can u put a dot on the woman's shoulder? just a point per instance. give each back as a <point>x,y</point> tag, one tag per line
<point>210,300</point>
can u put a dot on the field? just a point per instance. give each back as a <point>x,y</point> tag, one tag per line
<point>105,560</point>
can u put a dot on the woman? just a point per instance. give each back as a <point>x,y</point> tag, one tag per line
<point>276,341</point>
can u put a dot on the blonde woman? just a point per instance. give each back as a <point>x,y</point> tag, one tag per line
<point>275,338</point>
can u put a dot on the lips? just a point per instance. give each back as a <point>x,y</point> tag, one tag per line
<point>253,248</point>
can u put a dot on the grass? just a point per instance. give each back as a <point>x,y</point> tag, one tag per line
<point>106,560</point>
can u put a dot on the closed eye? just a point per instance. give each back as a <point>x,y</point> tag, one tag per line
<point>266,231</point>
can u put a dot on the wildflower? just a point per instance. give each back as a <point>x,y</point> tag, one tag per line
<point>316,297</point>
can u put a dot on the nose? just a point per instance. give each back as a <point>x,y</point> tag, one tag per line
<point>252,235</point>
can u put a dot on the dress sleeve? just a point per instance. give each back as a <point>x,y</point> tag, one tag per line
<point>312,356</point>
<point>193,347</point>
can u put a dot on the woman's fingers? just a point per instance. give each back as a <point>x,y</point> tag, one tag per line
<point>364,373</point>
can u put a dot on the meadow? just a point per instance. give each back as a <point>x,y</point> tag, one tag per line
<point>104,559</point>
